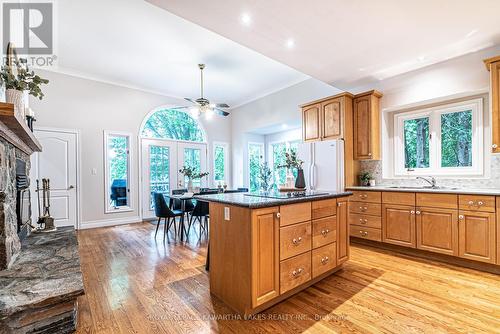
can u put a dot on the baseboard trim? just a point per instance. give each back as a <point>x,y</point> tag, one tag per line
<point>109,222</point>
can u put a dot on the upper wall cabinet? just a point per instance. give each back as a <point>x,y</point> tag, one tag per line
<point>367,126</point>
<point>328,118</point>
<point>493,65</point>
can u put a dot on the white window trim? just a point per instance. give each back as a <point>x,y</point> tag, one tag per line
<point>434,114</point>
<point>263,159</point>
<point>225,147</point>
<point>107,207</point>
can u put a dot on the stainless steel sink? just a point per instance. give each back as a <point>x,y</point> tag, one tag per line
<point>423,187</point>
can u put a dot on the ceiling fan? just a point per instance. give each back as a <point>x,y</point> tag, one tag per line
<point>203,105</point>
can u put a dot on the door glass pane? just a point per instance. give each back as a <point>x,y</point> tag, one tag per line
<point>159,166</point>
<point>279,150</point>
<point>416,139</point>
<point>118,165</point>
<point>255,158</point>
<point>219,167</point>
<point>456,139</point>
<point>192,158</point>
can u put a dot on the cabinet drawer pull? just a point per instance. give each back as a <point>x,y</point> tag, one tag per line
<point>461,217</point>
<point>412,212</point>
<point>417,212</point>
<point>471,202</point>
<point>325,232</point>
<point>296,241</point>
<point>363,208</point>
<point>325,260</point>
<point>480,203</point>
<point>363,196</point>
<point>297,272</point>
<point>363,233</point>
<point>369,154</point>
<point>494,145</point>
<point>363,221</point>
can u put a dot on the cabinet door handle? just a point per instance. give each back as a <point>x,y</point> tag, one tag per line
<point>412,212</point>
<point>417,212</point>
<point>471,203</point>
<point>278,215</point>
<point>297,241</point>
<point>325,260</point>
<point>325,232</point>
<point>494,146</point>
<point>297,272</point>
<point>461,217</point>
<point>369,154</point>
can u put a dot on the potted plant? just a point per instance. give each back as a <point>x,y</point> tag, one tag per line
<point>364,178</point>
<point>192,174</point>
<point>293,162</point>
<point>19,81</point>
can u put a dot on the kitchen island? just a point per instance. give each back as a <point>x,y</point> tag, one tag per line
<point>265,249</point>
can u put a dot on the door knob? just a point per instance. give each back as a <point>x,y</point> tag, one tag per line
<point>71,187</point>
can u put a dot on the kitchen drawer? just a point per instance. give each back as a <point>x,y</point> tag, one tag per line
<point>365,220</point>
<point>396,197</point>
<point>295,213</point>
<point>324,259</point>
<point>476,203</point>
<point>445,201</point>
<point>324,231</point>
<point>324,208</point>
<point>365,208</point>
<point>367,196</point>
<point>294,240</point>
<point>295,271</point>
<point>369,233</point>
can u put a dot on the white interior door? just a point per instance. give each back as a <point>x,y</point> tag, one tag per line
<point>159,171</point>
<point>194,155</point>
<point>58,163</point>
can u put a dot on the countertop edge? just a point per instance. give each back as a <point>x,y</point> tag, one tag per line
<point>490,192</point>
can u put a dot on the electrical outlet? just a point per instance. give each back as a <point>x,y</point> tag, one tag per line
<point>93,171</point>
<point>227,213</point>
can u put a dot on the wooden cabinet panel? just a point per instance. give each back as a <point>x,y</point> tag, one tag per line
<point>476,203</point>
<point>366,126</point>
<point>477,236</point>
<point>311,122</point>
<point>374,234</point>
<point>295,213</point>
<point>398,225</point>
<point>445,201</point>
<point>367,196</point>
<point>331,119</point>
<point>324,259</point>
<point>294,240</point>
<point>493,65</point>
<point>365,208</point>
<point>342,230</point>
<point>365,220</point>
<point>295,271</point>
<point>437,230</point>
<point>394,197</point>
<point>324,208</point>
<point>265,255</point>
<point>324,231</point>
<point>498,230</point>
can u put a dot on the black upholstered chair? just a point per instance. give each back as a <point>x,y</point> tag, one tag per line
<point>200,213</point>
<point>243,190</point>
<point>176,204</point>
<point>162,210</point>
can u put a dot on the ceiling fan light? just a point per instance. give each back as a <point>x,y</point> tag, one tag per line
<point>195,112</point>
<point>209,113</point>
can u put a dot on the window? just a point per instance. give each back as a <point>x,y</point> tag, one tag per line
<point>117,171</point>
<point>255,159</point>
<point>192,158</point>
<point>172,124</point>
<point>159,171</point>
<point>278,151</point>
<point>444,140</point>
<point>220,163</point>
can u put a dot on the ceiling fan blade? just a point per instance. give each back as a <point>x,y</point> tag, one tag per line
<point>221,112</point>
<point>180,107</point>
<point>222,105</point>
<point>190,100</point>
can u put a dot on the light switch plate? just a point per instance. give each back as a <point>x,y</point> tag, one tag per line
<point>227,213</point>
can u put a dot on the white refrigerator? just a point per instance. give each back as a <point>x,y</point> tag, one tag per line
<point>323,164</point>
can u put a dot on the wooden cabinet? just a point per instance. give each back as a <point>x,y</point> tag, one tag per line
<point>265,255</point>
<point>295,240</point>
<point>437,230</point>
<point>324,231</point>
<point>311,125</point>
<point>295,271</point>
<point>366,119</point>
<point>324,259</point>
<point>477,238</point>
<point>398,225</point>
<point>295,213</point>
<point>342,230</point>
<point>331,117</point>
<point>493,65</point>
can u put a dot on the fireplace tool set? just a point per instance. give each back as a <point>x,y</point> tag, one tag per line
<point>45,221</point>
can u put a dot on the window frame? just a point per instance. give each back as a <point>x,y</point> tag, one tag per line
<point>107,191</point>
<point>434,114</point>
<point>225,148</point>
<point>263,157</point>
<point>270,156</point>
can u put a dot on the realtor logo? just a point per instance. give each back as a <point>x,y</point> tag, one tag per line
<point>29,26</point>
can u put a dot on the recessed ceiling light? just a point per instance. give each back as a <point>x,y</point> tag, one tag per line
<point>246,19</point>
<point>290,43</point>
<point>361,69</point>
<point>421,58</point>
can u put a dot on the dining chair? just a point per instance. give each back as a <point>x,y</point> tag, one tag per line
<point>200,213</point>
<point>162,210</point>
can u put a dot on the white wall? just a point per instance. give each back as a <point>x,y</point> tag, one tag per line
<point>91,107</point>
<point>274,109</point>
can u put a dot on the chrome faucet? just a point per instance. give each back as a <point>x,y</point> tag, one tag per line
<point>432,180</point>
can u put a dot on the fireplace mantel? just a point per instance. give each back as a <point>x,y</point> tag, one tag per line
<point>15,130</point>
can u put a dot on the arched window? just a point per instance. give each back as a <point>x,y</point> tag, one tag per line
<point>172,124</point>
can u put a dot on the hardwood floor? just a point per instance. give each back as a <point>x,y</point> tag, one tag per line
<point>134,284</point>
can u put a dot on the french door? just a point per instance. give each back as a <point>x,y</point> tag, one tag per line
<point>161,161</point>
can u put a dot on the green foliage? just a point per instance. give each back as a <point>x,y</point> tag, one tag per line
<point>118,155</point>
<point>24,79</point>
<point>365,177</point>
<point>279,151</point>
<point>416,136</point>
<point>456,139</point>
<point>192,172</point>
<point>219,163</point>
<point>265,177</point>
<point>255,158</point>
<point>172,124</point>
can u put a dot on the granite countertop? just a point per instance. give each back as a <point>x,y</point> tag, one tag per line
<point>253,202</point>
<point>446,190</point>
<point>46,271</point>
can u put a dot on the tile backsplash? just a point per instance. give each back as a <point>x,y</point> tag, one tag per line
<point>375,168</point>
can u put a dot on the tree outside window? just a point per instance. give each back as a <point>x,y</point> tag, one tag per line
<point>255,159</point>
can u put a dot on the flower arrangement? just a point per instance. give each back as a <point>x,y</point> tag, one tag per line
<point>24,80</point>
<point>192,172</point>
<point>291,161</point>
